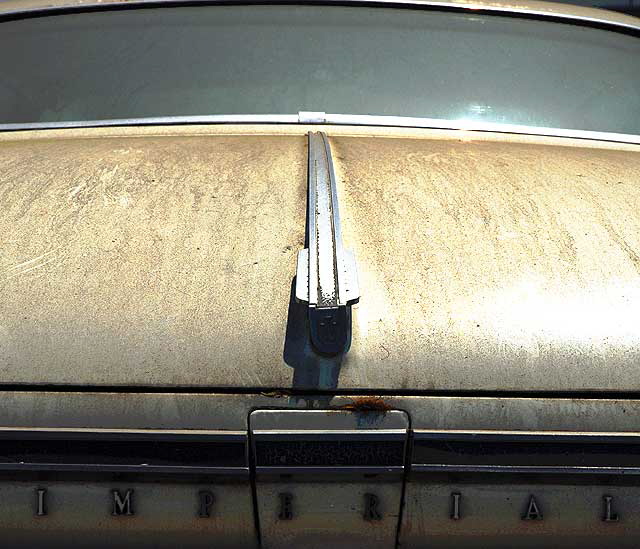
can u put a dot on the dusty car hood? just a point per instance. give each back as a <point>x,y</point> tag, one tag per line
<point>169,261</point>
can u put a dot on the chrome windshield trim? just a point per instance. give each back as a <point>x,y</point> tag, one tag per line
<point>476,126</point>
<point>157,121</point>
<point>334,120</point>
<point>580,14</point>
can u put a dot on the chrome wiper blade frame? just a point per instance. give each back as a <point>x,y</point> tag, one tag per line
<point>326,275</point>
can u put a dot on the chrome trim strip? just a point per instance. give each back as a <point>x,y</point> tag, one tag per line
<point>570,452</point>
<point>326,275</point>
<point>329,432</point>
<point>158,121</point>
<point>333,470</point>
<point>156,435</point>
<point>382,435</point>
<point>110,468</point>
<point>80,450</point>
<point>504,469</point>
<point>336,120</point>
<point>330,281</point>
<point>568,13</point>
<point>528,436</point>
<point>476,126</point>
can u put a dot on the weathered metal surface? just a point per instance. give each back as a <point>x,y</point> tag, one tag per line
<point>230,412</point>
<point>322,507</point>
<point>497,515</point>
<point>492,266</point>
<point>142,488</point>
<point>328,477</point>
<point>169,260</point>
<point>157,514</point>
<point>566,456</point>
<point>147,261</point>
<point>328,514</point>
<point>142,452</point>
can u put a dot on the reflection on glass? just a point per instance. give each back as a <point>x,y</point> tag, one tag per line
<point>180,61</point>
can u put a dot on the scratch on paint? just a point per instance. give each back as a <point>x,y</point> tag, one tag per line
<point>31,264</point>
<point>105,176</point>
<point>76,190</point>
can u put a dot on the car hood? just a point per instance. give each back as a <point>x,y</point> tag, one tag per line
<point>168,259</point>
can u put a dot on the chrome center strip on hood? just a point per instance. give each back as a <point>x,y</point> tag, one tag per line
<point>326,273</point>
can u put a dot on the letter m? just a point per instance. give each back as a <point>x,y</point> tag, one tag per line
<point>122,505</point>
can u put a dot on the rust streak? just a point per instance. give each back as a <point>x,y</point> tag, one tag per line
<point>367,404</point>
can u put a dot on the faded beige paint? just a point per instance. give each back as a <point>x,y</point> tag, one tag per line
<point>493,266</point>
<point>230,412</point>
<point>167,260</point>
<point>148,261</point>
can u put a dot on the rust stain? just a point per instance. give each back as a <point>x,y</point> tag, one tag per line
<point>276,394</point>
<point>367,404</point>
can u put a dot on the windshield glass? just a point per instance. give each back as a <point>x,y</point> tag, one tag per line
<point>180,61</point>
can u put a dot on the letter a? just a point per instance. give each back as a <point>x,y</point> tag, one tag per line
<point>533,512</point>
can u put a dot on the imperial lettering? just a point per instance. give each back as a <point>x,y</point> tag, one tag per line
<point>41,507</point>
<point>206,500</point>
<point>455,506</point>
<point>286,506</point>
<point>609,515</point>
<point>122,505</point>
<point>371,511</point>
<point>533,510</point>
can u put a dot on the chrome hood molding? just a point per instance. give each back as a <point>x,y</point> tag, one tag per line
<point>326,275</point>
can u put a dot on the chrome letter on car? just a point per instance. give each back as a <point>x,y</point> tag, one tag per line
<point>122,505</point>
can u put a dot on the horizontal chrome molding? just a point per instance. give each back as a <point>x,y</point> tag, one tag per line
<point>346,435</point>
<point>336,120</point>
<point>329,452</point>
<point>526,452</point>
<point>111,468</point>
<point>121,434</point>
<point>326,442</point>
<point>505,469</point>
<point>124,451</point>
<point>569,13</point>
<point>346,470</point>
<point>528,436</point>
